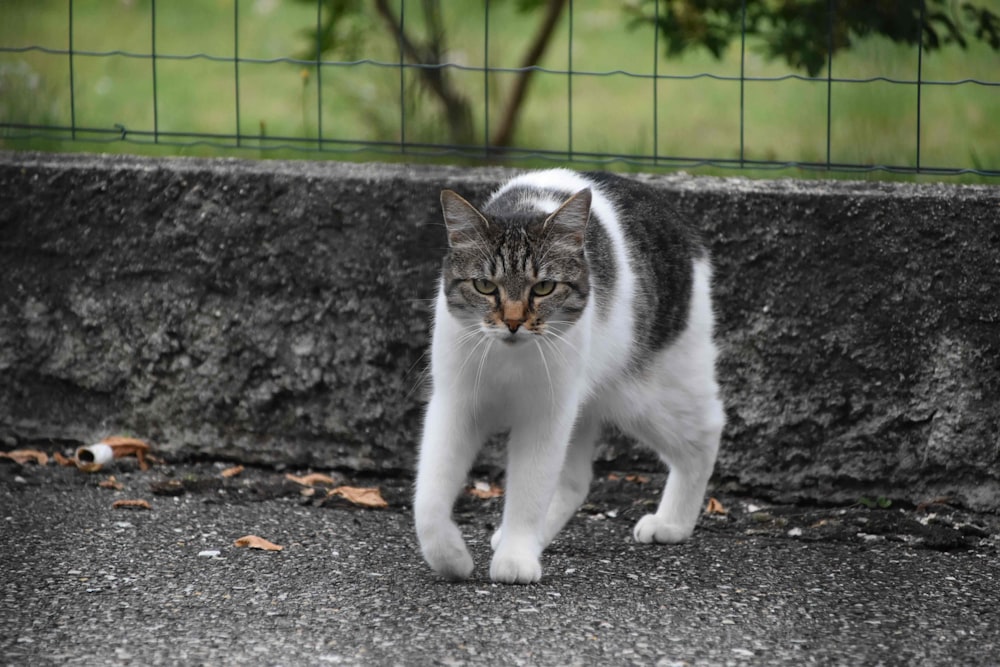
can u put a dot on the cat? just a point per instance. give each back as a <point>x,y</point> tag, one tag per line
<point>566,302</point>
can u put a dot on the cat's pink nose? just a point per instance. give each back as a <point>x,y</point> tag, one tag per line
<point>513,315</point>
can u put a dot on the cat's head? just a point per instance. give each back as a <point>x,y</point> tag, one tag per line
<point>517,272</point>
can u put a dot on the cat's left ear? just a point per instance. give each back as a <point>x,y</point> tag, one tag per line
<point>569,221</point>
<point>464,221</point>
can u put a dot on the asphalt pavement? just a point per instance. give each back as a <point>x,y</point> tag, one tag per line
<point>86,583</point>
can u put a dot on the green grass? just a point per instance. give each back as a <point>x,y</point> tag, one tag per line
<point>872,123</point>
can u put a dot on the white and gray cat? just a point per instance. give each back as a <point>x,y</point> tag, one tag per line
<point>567,301</point>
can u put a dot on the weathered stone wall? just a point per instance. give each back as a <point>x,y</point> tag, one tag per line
<point>276,312</point>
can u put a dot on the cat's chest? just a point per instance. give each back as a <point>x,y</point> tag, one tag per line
<point>500,376</point>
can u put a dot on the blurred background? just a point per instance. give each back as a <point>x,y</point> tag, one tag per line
<point>831,88</point>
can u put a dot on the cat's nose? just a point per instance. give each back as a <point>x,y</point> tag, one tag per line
<point>513,315</point>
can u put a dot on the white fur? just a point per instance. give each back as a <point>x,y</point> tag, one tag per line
<point>673,407</point>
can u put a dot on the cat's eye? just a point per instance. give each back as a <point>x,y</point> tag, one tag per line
<point>543,288</point>
<point>484,286</point>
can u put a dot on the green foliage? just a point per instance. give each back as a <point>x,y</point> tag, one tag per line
<point>342,29</point>
<point>881,502</point>
<point>805,33</point>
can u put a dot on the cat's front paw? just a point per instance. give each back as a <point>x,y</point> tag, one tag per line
<point>446,553</point>
<point>515,568</point>
<point>652,528</point>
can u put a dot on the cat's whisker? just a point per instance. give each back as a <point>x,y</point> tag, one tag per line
<point>418,383</point>
<point>414,364</point>
<point>563,339</point>
<point>479,377</point>
<point>468,357</point>
<point>548,375</point>
<point>555,348</point>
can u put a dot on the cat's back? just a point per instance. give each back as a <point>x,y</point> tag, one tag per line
<point>663,246</point>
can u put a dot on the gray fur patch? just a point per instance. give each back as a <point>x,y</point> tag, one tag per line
<point>663,246</point>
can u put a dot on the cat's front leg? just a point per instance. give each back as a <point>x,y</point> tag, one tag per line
<point>535,456</point>
<point>447,451</point>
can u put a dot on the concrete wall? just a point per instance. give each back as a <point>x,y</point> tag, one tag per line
<point>276,312</point>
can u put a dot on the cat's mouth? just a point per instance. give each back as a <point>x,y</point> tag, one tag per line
<point>512,338</point>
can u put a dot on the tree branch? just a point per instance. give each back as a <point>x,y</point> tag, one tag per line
<point>456,107</point>
<point>511,112</point>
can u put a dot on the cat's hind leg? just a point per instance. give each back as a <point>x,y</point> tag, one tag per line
<point>675,409</point>
<point>691,460</point>
<point>684,428</point>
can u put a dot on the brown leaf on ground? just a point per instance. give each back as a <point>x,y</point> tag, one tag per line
<point>132,504</point>
<point>715,507</point>
<point>63,461</point>
<point>312,479</point>
<point>23,456</point>
<point>254,542</point>
<point>232,472</point>
<point>484,490</point>
<point>928,504</point>
<point>363,497</point>
<point>122,446</point>
<point>635,479</point>
<point>111,483</point>
<point>170,487</point>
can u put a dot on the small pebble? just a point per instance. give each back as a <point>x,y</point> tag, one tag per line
<point>209,553</point>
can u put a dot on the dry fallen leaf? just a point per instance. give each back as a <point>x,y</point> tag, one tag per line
<point>311,480</point>
<point>132,504</point>
<point>111,483</point>
<point>636,479</point>
<point>254,542</point>
<point>363,497</point>
<point>928,504</point>
<point>122,446</point>
<point>715,507</point>
<point>23,456</point>
<point>63,461</point>
<point>232,472</point>
<point>484,490</point>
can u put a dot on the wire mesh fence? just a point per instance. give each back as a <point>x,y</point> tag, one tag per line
<point>563,81</point>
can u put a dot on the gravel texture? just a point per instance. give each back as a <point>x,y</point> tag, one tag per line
<point>85,584</point>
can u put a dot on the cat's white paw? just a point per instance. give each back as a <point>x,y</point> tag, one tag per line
<point>652,528</point>
<point>515,568</point>
<point>446,553</point>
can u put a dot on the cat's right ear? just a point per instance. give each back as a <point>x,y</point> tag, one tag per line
<point>464,222</point>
